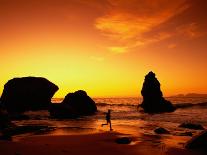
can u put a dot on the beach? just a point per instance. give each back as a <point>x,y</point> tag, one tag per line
<point>85,135</point>
<point>102,143</point>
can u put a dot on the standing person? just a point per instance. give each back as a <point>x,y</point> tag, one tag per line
<point>108,119</point>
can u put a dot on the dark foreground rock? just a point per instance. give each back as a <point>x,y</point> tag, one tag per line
<point>198,142</point>
<point>27,93</point>
<point>153,101</point>
<point>74,105</point>
<point>192,126</point>
<point>161,130</point>
<point>123,140</point>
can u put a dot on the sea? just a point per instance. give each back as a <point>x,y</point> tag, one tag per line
<point>125,117</point>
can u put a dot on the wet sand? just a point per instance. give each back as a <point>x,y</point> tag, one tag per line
<point>90,144</point>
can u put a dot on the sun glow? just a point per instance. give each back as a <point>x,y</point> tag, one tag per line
<point>105,48</point>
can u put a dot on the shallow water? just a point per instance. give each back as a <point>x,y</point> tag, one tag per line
<point>125,117</point>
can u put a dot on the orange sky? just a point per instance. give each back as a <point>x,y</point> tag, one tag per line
<point>105,47</point>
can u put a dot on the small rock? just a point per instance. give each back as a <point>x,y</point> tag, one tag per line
<point>123,140</point>
<point>191,126</point>
<point>161,130</point>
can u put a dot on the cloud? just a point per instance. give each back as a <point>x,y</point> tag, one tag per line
<point>189,30</point>
<point>128,21</point>
<point>118,49</point>
<point>171,46</point>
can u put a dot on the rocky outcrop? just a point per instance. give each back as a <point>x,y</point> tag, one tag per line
<point>27,93</point>
<point>153,101</point>
<point>74,105</point>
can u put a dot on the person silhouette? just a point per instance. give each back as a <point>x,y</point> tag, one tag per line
<point>108,119</point>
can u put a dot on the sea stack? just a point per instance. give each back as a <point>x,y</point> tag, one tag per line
<point>74,105</point>
<point>27,93</point>
<point>153,100</point>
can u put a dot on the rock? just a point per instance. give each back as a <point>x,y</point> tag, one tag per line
<point>192,126</point>
<point>153,101</point>
<point>198,142</point>
<point>74,105</point>
<point>61,111</point>
<point>123,140</point>
<point>27,93</point>
<point>161,130</point>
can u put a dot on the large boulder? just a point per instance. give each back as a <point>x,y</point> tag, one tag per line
<point>153,101</point>
<point>74,105</point>
<point>27,93</point>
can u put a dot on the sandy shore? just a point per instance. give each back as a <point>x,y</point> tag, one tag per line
<point>90,144</point>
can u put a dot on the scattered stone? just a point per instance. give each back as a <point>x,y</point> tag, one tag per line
<point>123,140</point>
<point>192,126</point>
<point>153,101</point>
<point>161,130</point>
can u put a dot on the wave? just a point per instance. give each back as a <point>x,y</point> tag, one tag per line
<point>189,105</point>
<point>177,105</point>
<point>117,104</point>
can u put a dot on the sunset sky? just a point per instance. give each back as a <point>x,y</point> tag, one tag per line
<point>105,47</point>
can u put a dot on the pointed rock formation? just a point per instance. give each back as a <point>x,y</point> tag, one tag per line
<point>27,93</point>
<point>153,101</point>
<point>74,105</point>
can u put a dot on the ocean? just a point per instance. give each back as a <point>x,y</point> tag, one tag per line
<point>125,117</point>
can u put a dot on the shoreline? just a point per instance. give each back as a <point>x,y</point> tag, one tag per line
<point>95,143</point>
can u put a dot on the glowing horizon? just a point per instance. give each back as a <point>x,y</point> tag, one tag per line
<point>105,47</point>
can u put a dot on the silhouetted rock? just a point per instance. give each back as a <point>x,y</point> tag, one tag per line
<point>74,105</point>
<point>27,93</point>
<point>191,126</point>
<point>123,140</point>
<point>198,142</point>
<point>153,101</point>
<point>161,130</point>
